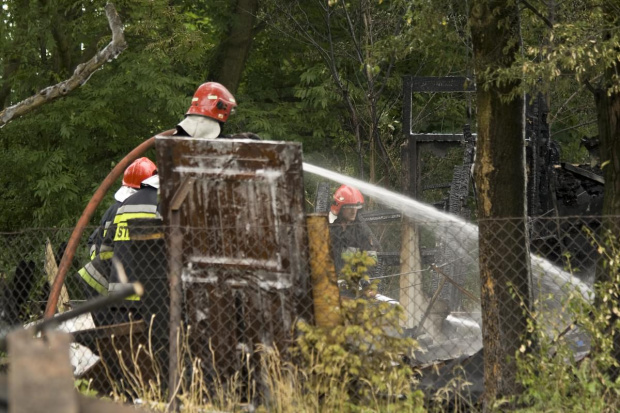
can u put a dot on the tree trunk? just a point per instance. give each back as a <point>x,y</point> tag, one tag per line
<point>62,52</point>
<point>607,101</point>
<point>501,183</point>
<point>608,116</point>
<point>229,62</point>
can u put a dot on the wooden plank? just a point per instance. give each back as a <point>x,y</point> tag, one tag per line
<point>40,376</point>
<point>51,269</point>
<point>437,137</point>
<point>412,298</point>
<point>580,171</point>
<point>324,280</point>
<point>90,336</point>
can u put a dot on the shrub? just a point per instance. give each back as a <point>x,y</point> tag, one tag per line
<point>553,377</point>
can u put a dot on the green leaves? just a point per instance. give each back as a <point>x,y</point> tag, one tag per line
<point>56,156</point>
<point>554,380</point>
<point>365,355</point>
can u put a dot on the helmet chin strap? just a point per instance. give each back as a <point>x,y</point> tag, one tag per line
<point>200,127</point>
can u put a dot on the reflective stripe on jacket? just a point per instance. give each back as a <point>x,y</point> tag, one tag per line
<point>97,238</point>
<point>142,204</point>
<point>95,273</point>
<point>132,211</point>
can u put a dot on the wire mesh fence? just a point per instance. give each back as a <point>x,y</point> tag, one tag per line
<point>240,292</point>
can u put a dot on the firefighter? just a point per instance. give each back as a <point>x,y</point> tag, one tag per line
<point>138,171</point>
<point>95,274</point>
<point>350,234</point>
<point>347,232</point>
<point>143,204</point>
<point>212,105</point>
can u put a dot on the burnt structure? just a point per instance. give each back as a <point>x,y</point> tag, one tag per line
<point>237,246</point>
<point>459,189</point>
<point>554,189</point>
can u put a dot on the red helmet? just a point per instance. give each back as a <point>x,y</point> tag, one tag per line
<point>213,101</point>
<point>138,171</point>
<point>347,197</point>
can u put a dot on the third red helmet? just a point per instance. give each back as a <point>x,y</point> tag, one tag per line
<point>348,197</point>
<point>212,100</point>
<point>138,171</point>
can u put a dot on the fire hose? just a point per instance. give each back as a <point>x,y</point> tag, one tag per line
<point>91,207</point>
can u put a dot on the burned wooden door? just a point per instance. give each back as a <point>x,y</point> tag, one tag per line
<point>245,269</point>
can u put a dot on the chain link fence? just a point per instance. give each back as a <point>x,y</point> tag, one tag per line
<point>238,292</point>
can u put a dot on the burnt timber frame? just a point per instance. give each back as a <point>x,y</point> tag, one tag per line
<point>411,168</point>
<point>409,150</point>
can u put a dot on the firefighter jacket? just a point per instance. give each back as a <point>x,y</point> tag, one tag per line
<point>96,238</point>
<point>96,273</point>
<point>95,241</point>
<point>141,205</point>
<point>353,236</point>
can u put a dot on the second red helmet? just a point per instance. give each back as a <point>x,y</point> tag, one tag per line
<point>212,100</point>
<point>348,197</point>
<point>138,171</point>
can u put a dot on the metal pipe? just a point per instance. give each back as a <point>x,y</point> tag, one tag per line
<point>89,306</point>
<point>67,258</point>
<point>454,283</point>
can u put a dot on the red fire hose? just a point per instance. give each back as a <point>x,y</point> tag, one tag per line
<point>74,240</point>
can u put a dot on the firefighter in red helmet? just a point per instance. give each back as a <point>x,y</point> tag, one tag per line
<point>138,171</point>
<point>347,231</point>
<point>94,276</point>
<point>212,105</point>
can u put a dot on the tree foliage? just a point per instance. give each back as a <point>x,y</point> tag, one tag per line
<point>327,74</point>
<point>54,158</point>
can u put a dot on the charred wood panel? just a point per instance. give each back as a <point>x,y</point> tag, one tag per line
<point>323,198</point>
<point>245,275</point>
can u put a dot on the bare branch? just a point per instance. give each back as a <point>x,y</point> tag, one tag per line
<point>557,113</point>
<point>80,76</point>
<point>358,48</point>
<point>537,13</point>
<point>590,122</point>
<point>589,86</point>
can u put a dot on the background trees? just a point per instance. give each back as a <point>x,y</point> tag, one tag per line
<point>53,159</point>
<point>326,73</point>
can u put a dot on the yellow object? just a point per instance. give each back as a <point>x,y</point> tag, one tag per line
<point>325,292</point>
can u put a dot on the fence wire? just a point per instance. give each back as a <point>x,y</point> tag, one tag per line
<point>241,289</point>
